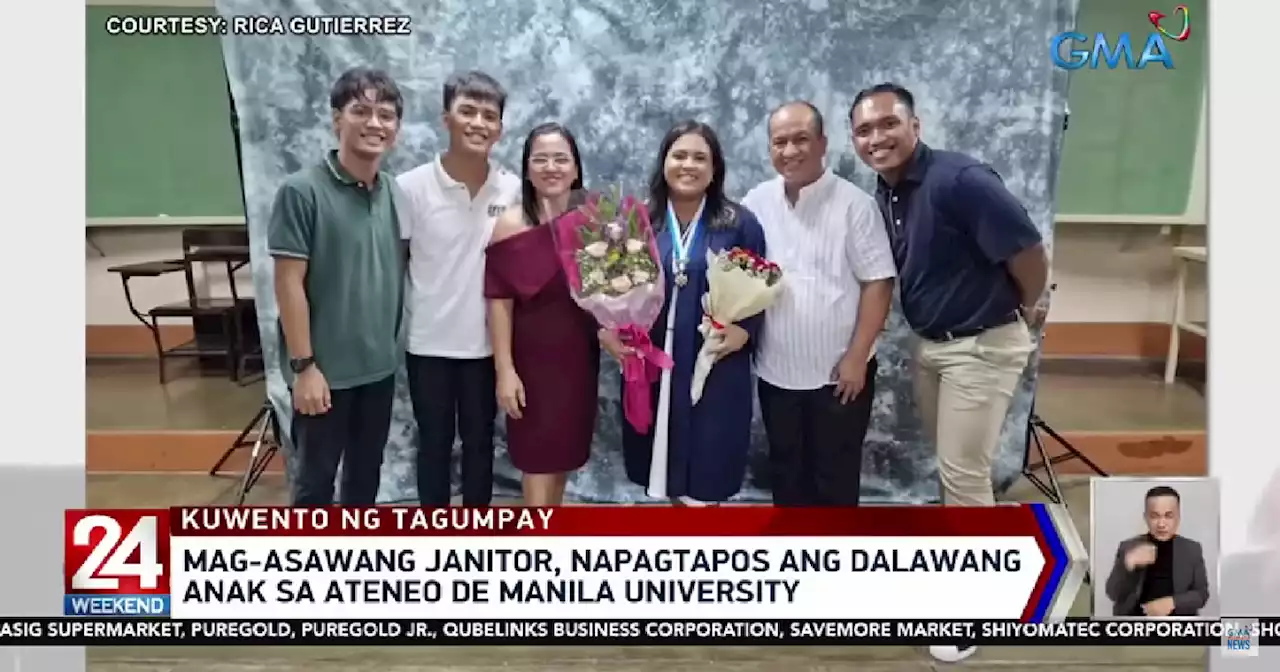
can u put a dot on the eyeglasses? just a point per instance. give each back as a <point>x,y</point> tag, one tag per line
<point>557,160</point>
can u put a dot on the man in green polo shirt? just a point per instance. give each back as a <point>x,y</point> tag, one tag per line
<point>339,279</point>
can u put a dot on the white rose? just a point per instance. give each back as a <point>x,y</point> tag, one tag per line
<point>596,277</point>
<point>597,249</point>
<point>635,246</point>
<point>620,283</point>
<point>639,277</point>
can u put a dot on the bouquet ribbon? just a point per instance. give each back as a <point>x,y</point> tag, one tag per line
<point>640,370</point>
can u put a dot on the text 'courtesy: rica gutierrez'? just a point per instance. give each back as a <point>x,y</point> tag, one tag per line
<point>321,24</point>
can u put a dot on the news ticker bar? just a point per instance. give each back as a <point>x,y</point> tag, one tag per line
<point>1242,634</point>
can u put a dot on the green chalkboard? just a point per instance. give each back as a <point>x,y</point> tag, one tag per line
<point>1130,146</point>
<point>158,137</point>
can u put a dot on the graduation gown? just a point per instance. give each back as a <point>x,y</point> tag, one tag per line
<point>707,443</point>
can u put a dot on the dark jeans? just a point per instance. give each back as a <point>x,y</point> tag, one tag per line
<point>815,443</point>
<point>354,433</point>
<point>453,396</point>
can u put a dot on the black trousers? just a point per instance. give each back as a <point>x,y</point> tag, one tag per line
<point>453,397</point>
<point>815,443</point>
<point>354,433</point>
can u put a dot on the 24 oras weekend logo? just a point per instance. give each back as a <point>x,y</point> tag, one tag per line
<point>1109,50</point>
<point>115,563</point>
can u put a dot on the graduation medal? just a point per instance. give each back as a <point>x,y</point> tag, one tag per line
<point>682,243</point>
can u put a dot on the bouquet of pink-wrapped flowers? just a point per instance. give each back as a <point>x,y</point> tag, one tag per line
<point>740,284</point>
<point>608,252</point>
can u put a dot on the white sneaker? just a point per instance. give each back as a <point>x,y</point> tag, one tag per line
<point>951,654</point>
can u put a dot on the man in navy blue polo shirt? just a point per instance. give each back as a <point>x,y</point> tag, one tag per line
<point>971,270</point>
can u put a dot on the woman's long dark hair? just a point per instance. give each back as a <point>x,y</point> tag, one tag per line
<point>718,211</point>
<point>529,195</point>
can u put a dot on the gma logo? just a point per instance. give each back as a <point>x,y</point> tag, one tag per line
<point>1101,52</point>
<point>1154,50</point>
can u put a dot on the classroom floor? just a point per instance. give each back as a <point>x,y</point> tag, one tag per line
<point>123,395</point>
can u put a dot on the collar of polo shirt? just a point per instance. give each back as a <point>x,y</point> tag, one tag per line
<point>447,181</point>
<point>919,165</point>
<point>341,173</point>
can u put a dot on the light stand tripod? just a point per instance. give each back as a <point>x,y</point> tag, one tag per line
<point>265,426</point>
<point>1035,427</point>
<point>1051,489</point>
<point>262,431</point>
<point>1049,485</point>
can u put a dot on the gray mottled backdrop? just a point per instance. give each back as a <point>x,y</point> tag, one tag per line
<point>619,72</point>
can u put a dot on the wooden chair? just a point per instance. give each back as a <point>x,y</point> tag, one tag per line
<point>228,246</point>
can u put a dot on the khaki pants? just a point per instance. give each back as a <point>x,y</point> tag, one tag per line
<point>963,389</point>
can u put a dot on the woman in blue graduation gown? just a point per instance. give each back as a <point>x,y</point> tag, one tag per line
<point>707,444</point>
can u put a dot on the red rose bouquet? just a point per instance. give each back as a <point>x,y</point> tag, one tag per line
<point>740,284</point>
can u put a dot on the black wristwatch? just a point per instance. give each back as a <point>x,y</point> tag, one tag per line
<point>301,364</point>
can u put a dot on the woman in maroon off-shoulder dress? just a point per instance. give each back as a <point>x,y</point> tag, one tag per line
<point>545,347</point>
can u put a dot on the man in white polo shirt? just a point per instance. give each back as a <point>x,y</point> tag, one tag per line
<point>454,202</point>
<point>816,358</point>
